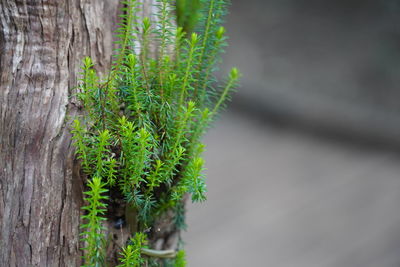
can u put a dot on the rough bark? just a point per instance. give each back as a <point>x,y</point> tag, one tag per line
<point>42,44</point>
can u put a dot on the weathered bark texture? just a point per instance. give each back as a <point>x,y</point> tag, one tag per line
<point>42,44</point>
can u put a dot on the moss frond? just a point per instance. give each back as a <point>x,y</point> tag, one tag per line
<point>141,135</point>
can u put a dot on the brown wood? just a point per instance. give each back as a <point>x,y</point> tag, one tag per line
<point>42,45</point>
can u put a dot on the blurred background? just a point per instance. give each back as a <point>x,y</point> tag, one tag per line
<point>303,169</point>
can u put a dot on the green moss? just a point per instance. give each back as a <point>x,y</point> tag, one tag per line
<point>141,134</point>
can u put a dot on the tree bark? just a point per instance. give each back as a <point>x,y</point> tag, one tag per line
<point>42,45</point>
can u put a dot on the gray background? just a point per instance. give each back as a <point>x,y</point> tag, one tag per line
<point>303,169</point>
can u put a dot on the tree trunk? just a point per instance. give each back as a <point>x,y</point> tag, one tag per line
<point>42,45</point>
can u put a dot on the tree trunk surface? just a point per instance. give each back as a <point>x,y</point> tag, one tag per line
<point>42,45</point>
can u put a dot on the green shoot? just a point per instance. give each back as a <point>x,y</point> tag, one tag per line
<point>140,138</point>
